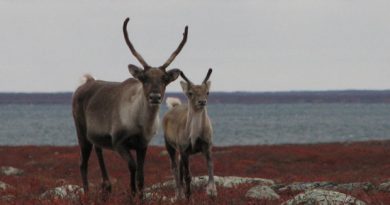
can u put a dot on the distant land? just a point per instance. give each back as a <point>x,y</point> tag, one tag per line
<point>344,96</point>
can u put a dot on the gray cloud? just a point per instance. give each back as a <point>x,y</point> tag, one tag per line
<point>252,45</point>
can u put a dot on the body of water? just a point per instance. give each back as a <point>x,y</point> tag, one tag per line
<point>234,124</point>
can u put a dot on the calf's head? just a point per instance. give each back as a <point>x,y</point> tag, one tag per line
<point>197,94</point>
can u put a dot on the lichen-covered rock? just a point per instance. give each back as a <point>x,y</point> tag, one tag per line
<point>303,186</point>
<point>366,186</point>
<point>228,182</point>
<point>4,186</point>
<point>163,153</point>
<point>63,192</point>
<point>231,181</point>
<point>323,197</point>
<point>385,186</point>
<point>7,198</point>
<point>8,171</point>
<point>262,192</point>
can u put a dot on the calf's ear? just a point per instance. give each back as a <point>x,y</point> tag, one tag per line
<point>208,84</point>
<point>184,86</point>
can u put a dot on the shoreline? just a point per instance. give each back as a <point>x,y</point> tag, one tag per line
<point>366,142</point>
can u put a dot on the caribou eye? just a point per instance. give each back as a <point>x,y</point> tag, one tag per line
<point>142,78</point>
<point>207,93</point>
<point>190,94</point>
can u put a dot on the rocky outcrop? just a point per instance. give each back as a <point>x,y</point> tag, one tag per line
<point>265,189</point>
<point>11,171</point>
<point>323,197</point>
<point>231,181</point>
<point>228,182</point>
<point>303,186</point>
<point>366,186</point>
<point>7,198</point>
<point>385,186</point>
<point>63,192</point>
<point>262,192</point>
<point>4,186</point>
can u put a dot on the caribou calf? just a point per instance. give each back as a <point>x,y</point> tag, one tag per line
<point>122,115</point>
<point>188,130</point>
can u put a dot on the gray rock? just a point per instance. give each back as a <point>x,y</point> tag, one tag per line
<point>163,153</point>
<point>63,192</point>
<point>323,197</point>
<point>228,182</point>
<point>149,196</point>
<point>366,186</point>
<point>231,181</point>
<point>4,186</point>
<point>7,198</point>
<point>303,186</point>
<point>385,186</point>
<point>262,192</point>
<point>8,171</point>
<point>167,184</point>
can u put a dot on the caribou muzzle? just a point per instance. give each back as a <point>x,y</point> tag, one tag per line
<point>155,98</point>
<point>202,103</point>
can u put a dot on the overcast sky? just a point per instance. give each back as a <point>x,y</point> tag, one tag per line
<point>259,45</point>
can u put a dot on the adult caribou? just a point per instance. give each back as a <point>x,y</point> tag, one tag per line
<point>122,116</point>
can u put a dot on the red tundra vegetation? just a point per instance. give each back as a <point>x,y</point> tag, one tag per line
<point>47,167</point>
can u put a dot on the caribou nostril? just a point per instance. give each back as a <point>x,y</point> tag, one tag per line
<point>155,97</point>
<point>202,102</point>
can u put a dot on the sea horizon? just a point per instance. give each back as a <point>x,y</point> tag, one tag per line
<point>228,97</point>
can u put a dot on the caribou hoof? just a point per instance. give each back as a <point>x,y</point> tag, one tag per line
<point>179,195</point>
<point>211,190</point>
<point>106,186</point>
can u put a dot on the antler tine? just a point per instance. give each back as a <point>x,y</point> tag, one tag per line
<point>130,45</point>
<point>208,75</point>
<point>185,77</point>
<point>177,51</point>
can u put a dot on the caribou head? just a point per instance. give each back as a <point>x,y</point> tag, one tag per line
<point>196,94</point>
<point>154,79</point>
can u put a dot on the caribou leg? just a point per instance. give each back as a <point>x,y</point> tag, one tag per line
<point>175,171</point>
<point>85,152</point>
<point>132,166</point>
<point>211,188</point>
<point>86,148</point>
<point>106,185</point>
<point>141,153</point>
<point>186,175</point>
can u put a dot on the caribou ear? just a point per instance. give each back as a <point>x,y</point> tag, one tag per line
<point>208,84</point>
<point>136,71</point>
<point>184,86</point>
<point>173,74</point>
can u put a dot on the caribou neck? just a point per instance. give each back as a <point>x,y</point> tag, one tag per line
<point>149,118</point>
<point>195,123</point>
<point>136,111</point>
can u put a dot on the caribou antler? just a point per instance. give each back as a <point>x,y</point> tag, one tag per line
<point>185,78</point>
<point>132,49</point>
<point>177,51</point>
<point>208,75</point>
